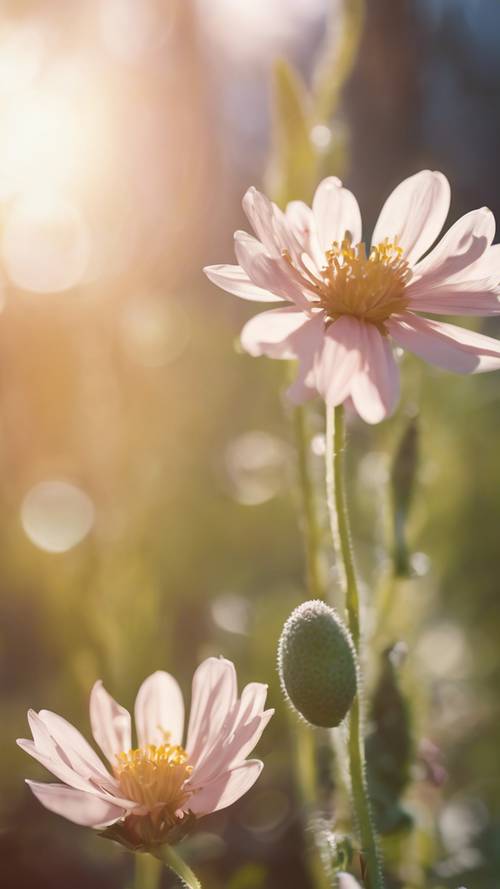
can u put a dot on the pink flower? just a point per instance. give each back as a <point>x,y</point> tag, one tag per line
<point>152,788</point>
<point>346,307</point>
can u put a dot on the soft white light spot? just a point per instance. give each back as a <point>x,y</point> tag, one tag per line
<point>420,564</point>
<point>252,30</point>
<point>45,244</point>
<point>321,136</point>
<point>56,515</point>
<point>443,650</point>
<point>132,29</point>
<point>318,445</point>
<point>256,464</point>
<point>22,49</point>
<point>266,812</point>
<point>231,613</point>
<point>155,331</point>
<point>374,469</point>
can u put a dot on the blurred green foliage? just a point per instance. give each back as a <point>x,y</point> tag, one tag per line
<point>185,560</point>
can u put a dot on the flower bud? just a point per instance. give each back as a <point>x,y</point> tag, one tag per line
<point>317,664</point>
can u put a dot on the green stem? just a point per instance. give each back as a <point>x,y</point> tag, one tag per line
<point>311,526</point>
<point>305,739</point>
<point>341,532</point>
<point>147,872</point>
<point>178,866</point>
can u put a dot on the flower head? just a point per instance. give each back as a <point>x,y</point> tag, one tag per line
<point>150,792</point>
<point>348,306</point>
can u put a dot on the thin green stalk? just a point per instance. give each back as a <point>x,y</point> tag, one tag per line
<point>310,518</point>
<point>305,739</point>
<point>341,532</point>
<point>147,871</point>
<point>178,866</point>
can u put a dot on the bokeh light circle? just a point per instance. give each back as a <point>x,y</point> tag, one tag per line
<point>56,515</point>
<point>45,244</point>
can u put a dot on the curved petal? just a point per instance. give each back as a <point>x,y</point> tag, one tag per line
<point>277,333</point>
<point>235,280</point>
<point>272,274</point>
<point>111,724</point>
<point>446,345</point>
<point>240,734</point>
<point>76,805</point>
<point>339,360</point>
<point>302,224</point>
<point>375,388</point>
<point>464,300</point>
<point>80,755</point>
<point>336,212</point>
<point>225,789</point>
<point>213,697</point>
<point>159,711</point>
<point>233,752</point>
<point>54,764</point>
<point>260,213</point>
<point>458,250</point>
<point>414,213</point>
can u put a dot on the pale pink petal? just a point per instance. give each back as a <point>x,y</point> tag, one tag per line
<point>241,732</point>
<point>253,699</point>
<point>159,711</point>
<point>76,805</point>
<point>458,251</point>
<point>56,765</point>
<point>414,213</point>
<point>225,789</point>
<point>233,279</point>
<point>487,267</point>
<point>269,273</point>
<point>77,751</point>
<point>446,345</point>
<point>339,360</point>
<point>213,697</point>
<point>375,387</point>
<point>457,300</point>
<point>260,213</point>
<point>274,333</point>
<point>232,752</point>
<point>336,212</point>
<point>41,735</point>
<point>302,223</point>
<point>111,724</point>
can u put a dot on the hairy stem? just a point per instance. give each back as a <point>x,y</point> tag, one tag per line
<point>341,533</point>
<point>178,866</point>
<point>147,872</point>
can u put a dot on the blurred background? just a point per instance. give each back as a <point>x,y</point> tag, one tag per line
<point>148,514</point>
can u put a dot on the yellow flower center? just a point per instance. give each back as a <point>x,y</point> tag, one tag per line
<point>351,283</point>
<point>154,777</point>
<point>369,287</point>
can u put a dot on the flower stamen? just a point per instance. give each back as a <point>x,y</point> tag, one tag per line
<point>367,287</point>
<point>155,777</point>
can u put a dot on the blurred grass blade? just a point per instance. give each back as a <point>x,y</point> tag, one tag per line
<point>293,165</point>
<point>337,60</point>
<point>403,478</point>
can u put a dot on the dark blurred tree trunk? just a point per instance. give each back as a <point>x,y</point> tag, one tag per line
<point>383,102</point>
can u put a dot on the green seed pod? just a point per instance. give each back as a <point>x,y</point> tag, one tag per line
<point>317,664</point>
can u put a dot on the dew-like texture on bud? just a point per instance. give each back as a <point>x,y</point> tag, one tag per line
<point>317,664</point>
